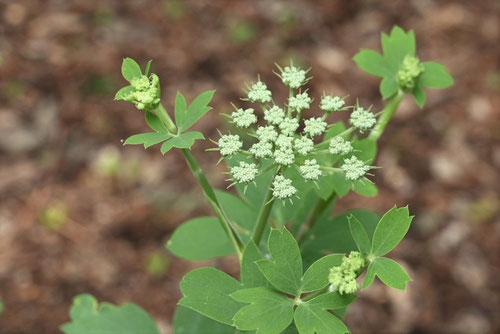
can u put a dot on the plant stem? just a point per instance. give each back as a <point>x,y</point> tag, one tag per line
<point>387,113</point>
<point>264,212</point>
<point>318,210</point>
<point>316,294</point>
<point>208,190</point>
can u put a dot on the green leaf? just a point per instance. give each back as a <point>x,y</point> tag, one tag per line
<point>372,62</point>
<point>251,276</point>
<point>197,109</point>
<point>147,139</point>
<point>207,291</point>
<point>269,312</point>
<point>148,67</point>
<point>184,140</point>
<point>369,277</point>
<point>313,317</point>
<point>397,46</point>
<point>365,187</point>
<point>435,76</point>
<point>124,92</point>
<point>365,150</point>
<point>200,238</point>
<point>88,317</point>
<point>284,271</point>
<point>419,95</point>
<point>332,234</point>
<point>130,69</point>
<point>241,215</point>
<point>316,276</point>
<point>388,87</point>
<point>390,272</point>
<point>391,228</point>
<point>359,234</point>
<point>180,109</point>
<point>187,321</point>
<point>334,129</point>
<point>154,122</point>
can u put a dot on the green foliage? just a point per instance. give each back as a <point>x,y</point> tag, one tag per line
<point>389,272</point>
<point>130,69</point>
<point>187,321</point>
<point>200,239</point>
<point>359,235</point>
<point>390,230</point>
<point>87,316</point>
<point>400,69</point>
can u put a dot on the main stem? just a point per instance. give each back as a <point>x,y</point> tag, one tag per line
<point>264,212</point>
<point>387,113</point>
<point>318,210</point>
<point>208,190</point>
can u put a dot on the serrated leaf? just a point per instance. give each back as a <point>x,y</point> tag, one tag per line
<point>269,312</point>
<point>359,234</point>
<point>184,140</point>
<point>435,75</point>
<point>372,62</point>
<point>197,109</point>
<point>147,139</point>
<point>284,271</point>
<point>313,317</point>
<point>396,46</point>
<point>124,92</point>
<point>187,321</point>
<point>332,234</point>
<point>365,187</point>
<point>154,122</point>
<point>200,238</point>
<point>251,276</point>
<point>388,87</point>
<point>390,272</point>
<point>207,291</point>
<point>390,230</point>
<point>316,276</point>
<point>180,109</point>
<point>88,317</point>
<point>130,69</point>
<point>419,95</point>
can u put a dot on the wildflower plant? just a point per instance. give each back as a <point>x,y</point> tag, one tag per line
<point>300,160</point>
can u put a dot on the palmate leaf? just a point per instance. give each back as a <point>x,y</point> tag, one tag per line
<point>390,230</point>
<point>269,312</point>
<point>184,140</point>
<point>313,317</point>
<point>372,62</point>
<point>208,291</point>
<point>389,272</point>
<point>396,46</point>
<point>147,139</point>
<point>187,321</point>
<point>185,116</point>
<point>435,76</point>
<point>87,316</point>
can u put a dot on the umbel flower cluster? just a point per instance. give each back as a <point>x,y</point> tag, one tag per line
<point>288,140</point>
<point>343,277</point>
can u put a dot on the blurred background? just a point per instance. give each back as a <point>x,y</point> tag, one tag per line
<point>81,213</point>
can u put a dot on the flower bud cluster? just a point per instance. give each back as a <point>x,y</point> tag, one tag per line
<point>343,277</point>
<point>287,140</point>
<point>409,71</point>
<point>146,92</point>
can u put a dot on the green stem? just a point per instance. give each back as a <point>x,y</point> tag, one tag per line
<point>264,212</point>
<point>316,294</point>
<point>318,210</point>
<point>289,111</point>
<point>208,190</point>
<point>387,113</point>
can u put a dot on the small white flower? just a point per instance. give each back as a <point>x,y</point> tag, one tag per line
<point>289,125</point>
<point>262,149</point>
<point>293,77</point>
<point>299,102</point>
<point>230,144</point>
<point>259,93</point>
<point>340,146</point>
<point>314,126</point>
<point>282,187</point>
<point>354,168</point>
<point>310,170</point>
<point>331,104</point>
<point>274,115</point>
<point>244,173</point>
<point>284,156</point>
<point>267,133</point>
<point>244,118</point>
<point>362,119</point>
<point>284,142</point>
<point>304,145</point>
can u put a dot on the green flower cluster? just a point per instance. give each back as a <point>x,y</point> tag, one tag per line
<point>288,140</point>
<point>343,277</point>
<point>145,93</point>
<point>409,71</point>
